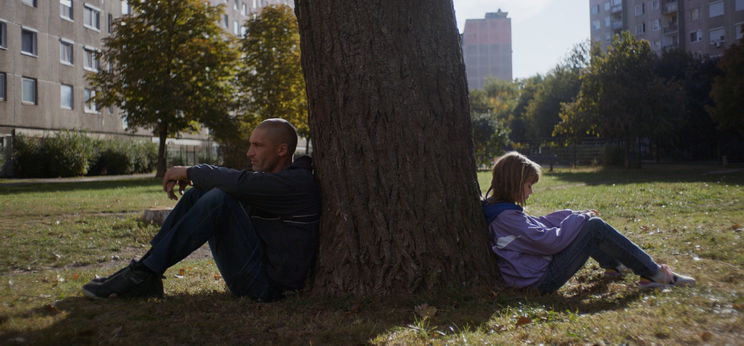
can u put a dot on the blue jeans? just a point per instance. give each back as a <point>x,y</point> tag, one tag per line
<point>215,217</point>
<point>606,245</point>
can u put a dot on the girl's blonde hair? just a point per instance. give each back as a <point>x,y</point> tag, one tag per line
<point>510,172</point>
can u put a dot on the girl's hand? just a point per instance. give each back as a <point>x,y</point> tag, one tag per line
<point>590,212</point>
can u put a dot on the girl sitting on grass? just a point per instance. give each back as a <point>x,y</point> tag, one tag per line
<point>544,252</point>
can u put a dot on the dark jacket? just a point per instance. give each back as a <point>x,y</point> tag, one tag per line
<point>284,209</point>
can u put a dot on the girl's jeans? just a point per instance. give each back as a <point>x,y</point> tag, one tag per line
<point>606,245</point>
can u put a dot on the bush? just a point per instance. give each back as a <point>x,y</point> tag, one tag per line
<point>68,153</point>
<point>124,157</point>
<point>29,159</point>
<point>74,154</point>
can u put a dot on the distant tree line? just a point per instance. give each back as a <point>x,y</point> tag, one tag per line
<point>678,105</point>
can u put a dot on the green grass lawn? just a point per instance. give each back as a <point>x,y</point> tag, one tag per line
<point>57,236</point>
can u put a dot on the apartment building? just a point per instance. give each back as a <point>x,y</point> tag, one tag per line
<point>487,48</point>
<point>47,47</point>
<point>699,26</point>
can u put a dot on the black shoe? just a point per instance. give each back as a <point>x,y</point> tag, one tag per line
<point>101,279</point>
<point>133,281</point>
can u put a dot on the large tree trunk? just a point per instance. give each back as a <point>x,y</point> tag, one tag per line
<point>392,145</point>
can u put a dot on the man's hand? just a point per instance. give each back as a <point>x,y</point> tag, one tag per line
<point>175,175</point>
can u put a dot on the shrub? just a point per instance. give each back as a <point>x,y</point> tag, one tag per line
<point>29,159</point>
<point>68,153</point>
<point>124,157</point>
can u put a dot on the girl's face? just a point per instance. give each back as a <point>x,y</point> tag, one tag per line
<point>526,191</point>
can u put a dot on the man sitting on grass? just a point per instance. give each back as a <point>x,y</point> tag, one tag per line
<point>261,225</point>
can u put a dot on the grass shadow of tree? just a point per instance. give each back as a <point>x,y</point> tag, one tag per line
<point>217,317</point>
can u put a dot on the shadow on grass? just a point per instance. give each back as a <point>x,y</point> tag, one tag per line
<point>655,174</point>
<point>10,189</point>
<point>217,317</point>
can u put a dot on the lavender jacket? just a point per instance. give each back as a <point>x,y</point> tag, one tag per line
<point>525,244</point>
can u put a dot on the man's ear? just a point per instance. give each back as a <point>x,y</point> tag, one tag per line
<point>282,149</point>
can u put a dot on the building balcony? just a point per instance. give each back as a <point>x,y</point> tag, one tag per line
<point>671,28</point>
<point>617,25</point>
<point>616,8</point>
<point>670,7</point>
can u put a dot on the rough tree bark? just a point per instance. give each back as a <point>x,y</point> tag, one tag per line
<point>392,146</point>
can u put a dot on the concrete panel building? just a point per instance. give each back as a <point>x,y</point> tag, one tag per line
<point>699,26</point>
<point>487,48</point>
<point>47,47</point>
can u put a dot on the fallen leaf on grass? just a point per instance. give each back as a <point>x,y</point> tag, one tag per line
<point>217,276</point>
<point>706,336</point>
<point>181,273</point>
<point>75,276</point>
<point>522,320</point>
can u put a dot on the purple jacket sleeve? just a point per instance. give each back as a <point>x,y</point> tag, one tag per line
<point>555,218</point>
<point>531,236</point>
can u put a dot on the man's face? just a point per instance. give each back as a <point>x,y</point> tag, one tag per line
<point>264,153</point>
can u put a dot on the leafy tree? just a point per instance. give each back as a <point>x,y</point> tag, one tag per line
<point>171,69</point>
<point>516,123</point>
<point>697,138</point>
<point>271,81</point>
<point>559,86</point>
<point>621,97</point>
<point>490,135</point>
<point>728,90</point>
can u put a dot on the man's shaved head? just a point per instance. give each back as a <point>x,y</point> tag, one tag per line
<point>281,132</point>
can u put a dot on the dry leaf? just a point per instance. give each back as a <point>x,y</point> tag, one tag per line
<point>706,336</point>
<point>522,320</point>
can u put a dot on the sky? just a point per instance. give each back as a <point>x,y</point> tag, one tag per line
<point>543,31</point>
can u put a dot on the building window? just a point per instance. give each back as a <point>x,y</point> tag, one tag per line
<point>739,5</point>
<point>28,90</point>
<point>655,26</point>
<point>88,105</point>
<point>125,8</point>
<point>739,28</point>
<point>225,21</point>
<point>92,17</point>
<point>65,96</point>
<point>715,9</point>
<point>640,9</point>
<point>607,22</point>
<point>236,5</point>
<point>655,4</point>
<point>244,9</point>
<point>91,59</point>
<point>236,28</point>
<point>28,41</point>
<point>3,96</point>
<point>65,51</point>
<point>595,9</point>
<point>3,35</point>
<point>110,23</point>
<point>694,14</point>
<point>254,3</point>
<point>596,25</point>
<point>717,36</point>
<point>696,36</point>
<point>31,3</point>
<point>606,6</point>
<point>65,9</point>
